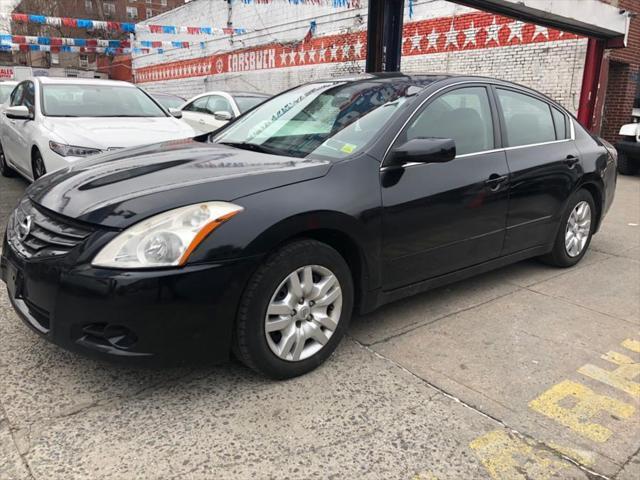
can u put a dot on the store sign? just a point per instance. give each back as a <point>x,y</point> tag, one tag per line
<point>470,31</point>
<point>6,73</point>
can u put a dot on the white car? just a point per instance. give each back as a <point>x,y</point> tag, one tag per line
<point>48,123</point>
<point>629,144</point>
<point>211,110</point>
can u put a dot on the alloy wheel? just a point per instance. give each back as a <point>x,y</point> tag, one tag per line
<point>303,313</point>
<point>578,229</point>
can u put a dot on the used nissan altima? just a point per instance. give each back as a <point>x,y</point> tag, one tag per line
<point>335,197</point>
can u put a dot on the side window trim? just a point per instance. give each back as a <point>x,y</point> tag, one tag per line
<point>24,96</point>
<point>495,87</point>
<point>497,137</point>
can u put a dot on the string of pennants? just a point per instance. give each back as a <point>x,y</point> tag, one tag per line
<point>23,47</point>
<point>94,42</point>
<point>120,26</point>
<point>333,3</point>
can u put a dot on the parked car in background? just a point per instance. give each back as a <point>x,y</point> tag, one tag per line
<point>209,111</point>
<point>168,100</point>
<point>629,145</point>
<point>49,123</point>
<point>335,196</point>
<point>5,89</point>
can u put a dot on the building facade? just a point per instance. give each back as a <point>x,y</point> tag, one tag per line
<point>286,44</point>
<point>107,10</point>
<point>621,81</point>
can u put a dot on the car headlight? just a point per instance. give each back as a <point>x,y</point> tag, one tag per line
<point>166,239</point>
<point>72,150</point>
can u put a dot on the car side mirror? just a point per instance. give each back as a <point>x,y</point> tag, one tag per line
<point>223,115</point>
<point>18,112</point>
<point>423,150</point>
<point>175,112</point>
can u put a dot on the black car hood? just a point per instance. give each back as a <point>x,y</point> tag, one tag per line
<point>120,188</point>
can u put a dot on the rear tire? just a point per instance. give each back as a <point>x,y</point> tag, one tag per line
<point>37,165</point>
<point>575,232</point>
<point>314,317</point>
<point>626,166</point>
<point>5,169</point>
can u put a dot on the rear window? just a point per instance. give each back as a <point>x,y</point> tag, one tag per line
<point>527,119</point>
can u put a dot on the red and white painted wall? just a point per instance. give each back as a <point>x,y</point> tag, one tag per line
<point>274,55</point>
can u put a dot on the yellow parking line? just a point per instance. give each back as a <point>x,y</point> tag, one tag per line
<point>620,378</point>
<point>587,405</point>
<point>507,457</point>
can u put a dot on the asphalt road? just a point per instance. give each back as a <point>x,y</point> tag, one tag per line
<point>528,372</point>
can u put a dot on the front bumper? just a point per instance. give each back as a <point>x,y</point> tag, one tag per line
<point>164,316</point>
<point>629,148</point>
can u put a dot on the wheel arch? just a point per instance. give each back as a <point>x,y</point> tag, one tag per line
<point>339,231</point>
<point>594,185</point>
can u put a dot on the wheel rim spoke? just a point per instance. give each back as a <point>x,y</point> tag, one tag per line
<point>330,297</point>
<point>278,324</point>
<point>295,287</point>
<point>325,320</point>
<point>303,313</point>
<point>299,345</point>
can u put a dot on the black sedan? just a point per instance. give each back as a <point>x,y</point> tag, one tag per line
<point>334,197</point>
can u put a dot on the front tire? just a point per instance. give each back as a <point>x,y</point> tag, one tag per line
<point>37,165</point>
<point>626,166</point>
<point>5,169</point>
<point>575,232</point>
<point>295,310</point>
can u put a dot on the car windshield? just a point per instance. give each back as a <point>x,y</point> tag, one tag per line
<point>5,91</point>
<point>331,119</point>
<point>247,102</point>
<point>78,100</point>
<point>169,101</point>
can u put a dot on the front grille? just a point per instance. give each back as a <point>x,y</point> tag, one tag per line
<point>36,232</point>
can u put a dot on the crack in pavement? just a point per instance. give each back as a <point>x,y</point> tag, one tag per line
<point>15,444</point>
<point>416,326</point>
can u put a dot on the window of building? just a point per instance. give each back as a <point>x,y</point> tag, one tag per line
<point>148,1</point>
<point>83,61</point>
<point>149,13</point>
<point>163,3</point>
<point>527,119</point>
<point>132,12</point>
<point>55,58</point>
<point>88,5</point>
<point>463,115</point>
<point>109,9</point>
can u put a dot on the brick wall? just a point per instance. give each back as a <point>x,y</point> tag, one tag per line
<point>440,37</point>
<point>624,76</point>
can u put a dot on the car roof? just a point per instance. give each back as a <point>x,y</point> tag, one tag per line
<point>428,80</point>
<point>81,81</point>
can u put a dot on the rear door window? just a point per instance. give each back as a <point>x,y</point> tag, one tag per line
<point>527,120</point>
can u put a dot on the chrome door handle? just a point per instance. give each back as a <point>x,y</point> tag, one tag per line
<point>571,161</point>
<point>495,181</point>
